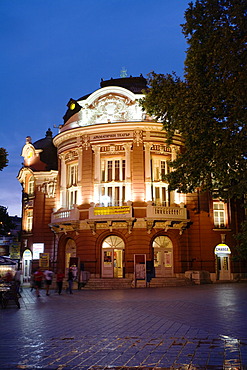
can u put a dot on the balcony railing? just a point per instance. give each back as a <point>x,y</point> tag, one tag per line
<point>166,213</point>
<point>65,215</point>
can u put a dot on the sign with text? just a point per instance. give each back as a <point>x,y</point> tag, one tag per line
<point>112,136</point>
<point>44,260</point>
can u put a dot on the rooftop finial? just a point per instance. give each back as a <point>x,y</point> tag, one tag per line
<point>123,72</point>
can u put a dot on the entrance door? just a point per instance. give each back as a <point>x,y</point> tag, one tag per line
<point>223,267</point>
<point>163,256</point>
<point>113,257</point>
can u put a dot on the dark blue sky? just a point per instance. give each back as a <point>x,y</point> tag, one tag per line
<point>52,51</point>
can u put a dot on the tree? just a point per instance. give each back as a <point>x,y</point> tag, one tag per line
<point>6,223</point>
<point>3,158</point>
<point>208,106</point>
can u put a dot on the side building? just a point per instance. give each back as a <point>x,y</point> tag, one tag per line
<point>95,195</point>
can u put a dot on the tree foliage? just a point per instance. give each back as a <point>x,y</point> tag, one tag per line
<point>6,223</point>
<point>208,106</point>
<point>3,158</point>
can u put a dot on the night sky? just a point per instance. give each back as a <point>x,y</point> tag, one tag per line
<point>54,50</point>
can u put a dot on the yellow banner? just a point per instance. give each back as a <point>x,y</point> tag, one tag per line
<point>111,210</point>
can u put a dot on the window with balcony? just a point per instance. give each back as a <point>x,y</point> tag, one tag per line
<point>219,212</point>
<point>161,195</point>
<point>112,187</point>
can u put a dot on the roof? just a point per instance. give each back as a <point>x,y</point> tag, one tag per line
<point>135,84</point>
<point>49,152</point>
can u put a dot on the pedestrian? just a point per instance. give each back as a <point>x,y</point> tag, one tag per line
<point>48,274</point>
<point>60,277</point>
<point>38,278</point>
<point>17,279</point>
<point>70,279</point>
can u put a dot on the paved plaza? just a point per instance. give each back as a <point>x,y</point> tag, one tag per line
<point>190,327</point>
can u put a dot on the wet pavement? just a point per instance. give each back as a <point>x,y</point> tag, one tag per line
<point>191,327</point>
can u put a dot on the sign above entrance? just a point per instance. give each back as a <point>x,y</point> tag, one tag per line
<point>222,249</point>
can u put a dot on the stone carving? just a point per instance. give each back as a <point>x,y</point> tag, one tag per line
<point>71,156</point>
<point>110,108</point>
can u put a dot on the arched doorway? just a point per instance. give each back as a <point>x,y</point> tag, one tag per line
<point>26,265</point>
<point>222,254</point>
<point>163,256</point>
<point>112,264</point>
<point>70,251</point>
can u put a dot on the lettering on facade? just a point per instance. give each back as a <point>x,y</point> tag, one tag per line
<point>116,135</point>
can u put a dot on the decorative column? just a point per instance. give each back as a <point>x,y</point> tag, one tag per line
<point>96,149</point>
<point>148,171</point>
<point>174,156</point>
<point>127,148</point>
<point>79,176</point>
<point>62,182</point>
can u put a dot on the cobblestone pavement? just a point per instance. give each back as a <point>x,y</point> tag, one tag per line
<point>195,327</point>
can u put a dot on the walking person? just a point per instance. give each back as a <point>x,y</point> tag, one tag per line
<point>38,278</point>
<point>48,274</point>
<point>60,277</point>
<point>17,279</point>
<point>70,280</point>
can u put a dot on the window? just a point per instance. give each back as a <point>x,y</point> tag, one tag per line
<point>112,188</point>
<point>219,215</point>
<point>29,220</point>
<point>160,195</point>
<point>72,175</point>
<point>160,169</point>
<point>72,185</point>
<point>31,186</point>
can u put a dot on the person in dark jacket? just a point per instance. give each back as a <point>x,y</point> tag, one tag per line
<point>70,280</point>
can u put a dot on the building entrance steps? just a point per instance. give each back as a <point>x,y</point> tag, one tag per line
<point>108,283</point>
<point>98,283</point>
<point>160,282</point>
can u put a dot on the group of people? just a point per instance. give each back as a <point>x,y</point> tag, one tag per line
<point>47,276</point>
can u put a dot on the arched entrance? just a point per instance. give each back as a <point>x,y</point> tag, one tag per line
<point>26,265</point>
<point>112,264</point>
<point>70,251</point>
<point>163,256</point>
<point>222,254</point>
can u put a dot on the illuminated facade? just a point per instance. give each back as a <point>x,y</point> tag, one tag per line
<point>105,202</point>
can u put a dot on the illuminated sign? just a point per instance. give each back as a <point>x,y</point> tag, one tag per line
<point>114,135</point>
<point>37,249</point>
<point>27,255</point>
<point>222,249</point>
<point>111,210</point>
<point>44,260</point>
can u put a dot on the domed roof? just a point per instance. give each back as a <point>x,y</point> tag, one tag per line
<point>49,152</point>
<point>134,84</point>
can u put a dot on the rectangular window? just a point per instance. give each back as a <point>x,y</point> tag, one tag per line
<point>117,200</point>
<point>29,220</point>
<point>117,170</point>
<point>219,215</point>
<point>109,171</point>
<point>109,190</point>
<point>162,169</point>
<point>123,169</point>
<point>31,186</point>
<point>72,175</point>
